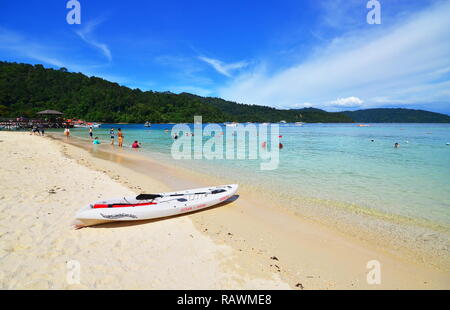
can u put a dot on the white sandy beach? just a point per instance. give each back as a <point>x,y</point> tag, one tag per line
<point>244,244</point>
<point>41,191</point>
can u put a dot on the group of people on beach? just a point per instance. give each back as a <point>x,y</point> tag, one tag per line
<point>112,135</point>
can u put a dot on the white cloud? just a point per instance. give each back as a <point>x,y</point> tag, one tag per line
<point>25,47</point>
<point>8,37</point>
<point>48,53</point>
<point>407,62</point>
<point>349,102</point>
<point>223,68</point>
<point>301,105</point>
<point>86,35</point>
<point>340,13</point>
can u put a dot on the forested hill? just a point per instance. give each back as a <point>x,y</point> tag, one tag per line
<point>26,89</point>
<point>397,116</point>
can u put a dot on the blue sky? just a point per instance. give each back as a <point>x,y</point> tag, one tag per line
<point>286,54</point>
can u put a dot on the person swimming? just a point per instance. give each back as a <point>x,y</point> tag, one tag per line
<point>136,145</point>
<point>396,145</point>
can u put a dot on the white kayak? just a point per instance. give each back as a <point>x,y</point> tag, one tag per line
<point>150,206</point>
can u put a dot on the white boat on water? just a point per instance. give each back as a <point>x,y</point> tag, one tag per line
<point>283,122</point>
<point>148,124</point>
<point>88,125</point>
<point>231,124</point>
<point>14,127</point>
<point>299,124</point>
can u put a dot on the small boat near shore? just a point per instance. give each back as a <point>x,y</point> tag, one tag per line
<point>148,124</point>
<point>234,124</point>
<point>150,206</point>
<point>87,125</point>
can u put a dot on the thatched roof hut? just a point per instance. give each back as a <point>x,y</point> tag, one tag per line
<point>50,112</point>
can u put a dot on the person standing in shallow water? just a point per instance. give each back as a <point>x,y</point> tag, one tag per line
<point>67,132</point>
<point>120,137</point>
<point>111,134</point>
<point>90,132</point>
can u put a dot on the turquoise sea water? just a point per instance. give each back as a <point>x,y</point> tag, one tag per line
<point>338,162</point>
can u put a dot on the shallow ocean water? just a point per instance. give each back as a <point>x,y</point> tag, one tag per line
<point>337,162</point>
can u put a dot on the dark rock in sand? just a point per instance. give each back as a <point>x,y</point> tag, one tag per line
<point>299,285</point>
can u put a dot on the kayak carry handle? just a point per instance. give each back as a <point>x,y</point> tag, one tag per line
<point>218,191</point>
<point>147,196</point>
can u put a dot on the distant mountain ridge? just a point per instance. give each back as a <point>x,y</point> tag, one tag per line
<point>26,89</point>
<point>396,115</point>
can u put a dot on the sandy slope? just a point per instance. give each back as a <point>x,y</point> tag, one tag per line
<point>41,189</point>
